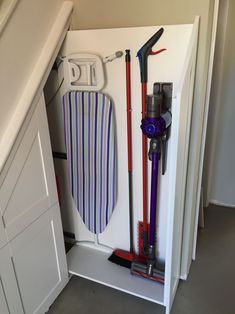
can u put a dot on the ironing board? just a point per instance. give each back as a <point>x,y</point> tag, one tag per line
<point>89,132</point>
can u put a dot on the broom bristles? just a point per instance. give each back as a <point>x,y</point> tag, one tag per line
<point>119,261</point>
<point>122,258</point>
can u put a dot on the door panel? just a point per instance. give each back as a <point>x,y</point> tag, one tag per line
<point>178,154</point>
<point>40,262</point>
<point>10,301</point>
<point>29,187</point>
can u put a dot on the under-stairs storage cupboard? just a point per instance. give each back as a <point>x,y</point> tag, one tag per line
<point>33,264</point>
<point>89,257</point>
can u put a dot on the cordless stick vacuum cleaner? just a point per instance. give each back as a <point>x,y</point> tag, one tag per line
<point>143,54</point>
<point>155,127</point>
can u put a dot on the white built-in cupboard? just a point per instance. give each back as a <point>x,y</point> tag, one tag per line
<point>89,258</point>
<point>33,267</point>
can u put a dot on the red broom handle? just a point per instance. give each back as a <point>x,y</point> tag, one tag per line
<point>129,144</point>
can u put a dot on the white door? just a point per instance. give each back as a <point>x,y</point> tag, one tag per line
<point>181,110</point>
<point>31,218</point>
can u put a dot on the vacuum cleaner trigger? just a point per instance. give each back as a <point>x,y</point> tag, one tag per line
<point>152,53</point>
<point>144,52</point>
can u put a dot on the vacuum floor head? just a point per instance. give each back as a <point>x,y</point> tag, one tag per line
<point>148,271</point>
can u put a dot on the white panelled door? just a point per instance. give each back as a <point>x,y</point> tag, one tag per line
<point>29,187</point>
<point>33,261</point>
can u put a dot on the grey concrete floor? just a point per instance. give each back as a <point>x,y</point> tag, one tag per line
<point>210,288</point>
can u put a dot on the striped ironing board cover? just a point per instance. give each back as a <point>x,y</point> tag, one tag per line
<point>89,130</point>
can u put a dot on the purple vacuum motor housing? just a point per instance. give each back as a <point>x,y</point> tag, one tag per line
<point>153,127</point>
<point>156,127</point>
<point>155,122</point>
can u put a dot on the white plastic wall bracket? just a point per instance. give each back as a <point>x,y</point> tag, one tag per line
<point>83,71</point>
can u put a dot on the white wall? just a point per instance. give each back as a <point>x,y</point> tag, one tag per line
<point>220,157</point>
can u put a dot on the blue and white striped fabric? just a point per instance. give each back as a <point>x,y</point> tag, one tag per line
<point>91,151</point>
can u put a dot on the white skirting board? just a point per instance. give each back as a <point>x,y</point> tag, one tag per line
<point>94,265</point>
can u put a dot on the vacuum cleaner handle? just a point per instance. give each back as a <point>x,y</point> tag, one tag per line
<point>145,51</point>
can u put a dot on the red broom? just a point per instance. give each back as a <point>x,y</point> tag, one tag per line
<point>121,257</point>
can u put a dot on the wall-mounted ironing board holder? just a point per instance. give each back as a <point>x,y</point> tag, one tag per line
<point>83,72</point>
